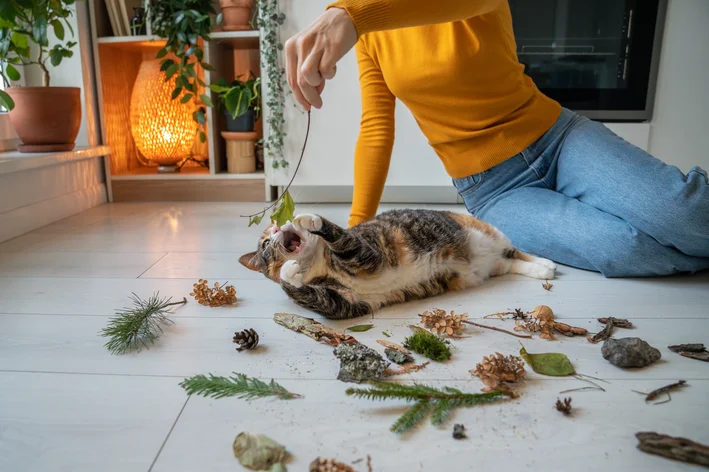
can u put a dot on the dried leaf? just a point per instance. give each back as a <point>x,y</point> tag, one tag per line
<point>258,452</point>
<point>405,369</point>
<point>392,345</point>
<point>550,363</point>
<point>547,286</point>
<point>360,328</point>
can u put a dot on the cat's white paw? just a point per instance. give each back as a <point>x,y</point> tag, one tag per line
<point>290,273</point>
<point>540,271</point>
<point>546,263</point>
<point>308,222</point>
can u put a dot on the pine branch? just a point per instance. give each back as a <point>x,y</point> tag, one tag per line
<point>440,403</point>
<point>239,386</point>
<point>133,328</point>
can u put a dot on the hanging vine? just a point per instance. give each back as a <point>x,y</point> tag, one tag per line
<point>269,21</point>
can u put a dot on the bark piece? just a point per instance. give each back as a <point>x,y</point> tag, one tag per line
<point>680,449</point>
<point>313,329</point>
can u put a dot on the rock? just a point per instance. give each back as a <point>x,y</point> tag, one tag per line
<point>259,452</point>
<point>397,356</point>
<point>359,363</point>
<point>629,352</point>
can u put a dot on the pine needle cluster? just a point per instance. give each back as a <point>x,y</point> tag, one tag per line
<point>239,386</point>
<point>429,345</point>
<point>133,328</point>
<point>438,403</point>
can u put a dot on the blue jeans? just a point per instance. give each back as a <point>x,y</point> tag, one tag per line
<point>584,197</point>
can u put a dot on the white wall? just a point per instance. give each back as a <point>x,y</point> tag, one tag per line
<point>680,126</point>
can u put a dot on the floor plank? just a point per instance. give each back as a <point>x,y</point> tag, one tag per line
<point>59,264</point>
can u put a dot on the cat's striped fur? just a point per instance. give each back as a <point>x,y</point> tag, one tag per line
<point>398,256</point>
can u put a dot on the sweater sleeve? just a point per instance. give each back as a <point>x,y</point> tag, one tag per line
<point>380,15</point>
<point>375,141</point>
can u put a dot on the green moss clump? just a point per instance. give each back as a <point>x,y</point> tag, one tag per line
<point>429,345</point>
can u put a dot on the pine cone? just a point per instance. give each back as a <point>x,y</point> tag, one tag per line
<point>217,296</point>
<point>440,323</point>
<point>329,465</point>
<point>246,339</point>
<point>496,370</point>
<point>564,407</point>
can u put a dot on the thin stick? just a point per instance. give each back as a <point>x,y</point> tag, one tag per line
<point>666,389</point>
<point>302,152</point>
<point>498,329</point>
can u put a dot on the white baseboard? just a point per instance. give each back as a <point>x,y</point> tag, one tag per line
<point>22,220</point>
<point>392,194</point>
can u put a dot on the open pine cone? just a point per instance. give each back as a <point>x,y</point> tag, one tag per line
<point>440,323</point>
<point>329,465</point>
<point>246,339</point>
<point>497,370</point>
<point>217,296</point>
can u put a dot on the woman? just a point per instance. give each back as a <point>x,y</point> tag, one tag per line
<point>557,184</point>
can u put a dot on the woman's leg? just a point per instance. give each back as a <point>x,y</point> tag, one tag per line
<point>602,170</point>
<point>546,223</point>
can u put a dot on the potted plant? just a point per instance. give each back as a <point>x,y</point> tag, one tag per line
<point>236,14</point>
<point>45,118</point>
<point>241,101</point>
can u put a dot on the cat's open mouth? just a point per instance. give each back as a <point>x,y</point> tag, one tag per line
<point>291,241</point>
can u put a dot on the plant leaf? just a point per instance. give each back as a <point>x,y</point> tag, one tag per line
<point>284,211</point>
<point>12,73</point>
<point>6,100</point>
<point>39,30</point>
<point>254,220</point>
<point>170,71</point>
<point>186,98</point>
<point>550,363</point>
<point>360,328</point>
<point>58,29</point>
<point>206,100</point>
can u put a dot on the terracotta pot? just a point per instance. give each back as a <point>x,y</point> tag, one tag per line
<point>237,14</point>
<point>46,119</point>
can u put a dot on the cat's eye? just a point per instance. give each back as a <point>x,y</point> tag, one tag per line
<point>265,243</point>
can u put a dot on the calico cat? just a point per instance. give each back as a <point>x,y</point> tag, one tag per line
<point>398,256</point>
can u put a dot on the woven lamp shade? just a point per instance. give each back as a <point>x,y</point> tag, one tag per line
<point>162,128</point>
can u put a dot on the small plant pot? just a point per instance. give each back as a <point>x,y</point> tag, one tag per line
<point>240,148</point>
<point>236,14</point>
<point>46,119</point>
<point>241,124</point>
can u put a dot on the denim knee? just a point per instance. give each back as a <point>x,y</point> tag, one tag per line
<point>635,254</point>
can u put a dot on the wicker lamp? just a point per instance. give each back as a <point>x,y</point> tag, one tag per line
<point>162,128</point>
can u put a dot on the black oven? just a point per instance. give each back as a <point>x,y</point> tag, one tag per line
<point>596,57</point>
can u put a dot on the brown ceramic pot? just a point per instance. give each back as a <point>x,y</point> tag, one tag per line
<point>46,118</point>
<point>237,14</point>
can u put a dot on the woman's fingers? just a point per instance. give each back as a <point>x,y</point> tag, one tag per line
<point>309,77</point>
<point>292,73</point>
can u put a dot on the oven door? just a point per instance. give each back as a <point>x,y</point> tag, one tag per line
<point>596,57</point>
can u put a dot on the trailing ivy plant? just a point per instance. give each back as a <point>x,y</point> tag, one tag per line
<point>269,21</point>
<point>25,21</point>
<point>184,23</point>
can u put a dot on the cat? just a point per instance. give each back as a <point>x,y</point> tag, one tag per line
<point>399,255</point>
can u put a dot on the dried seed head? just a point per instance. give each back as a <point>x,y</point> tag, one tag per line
<point>497,370</point>
<point>217,296</point>
<point>440,323</point>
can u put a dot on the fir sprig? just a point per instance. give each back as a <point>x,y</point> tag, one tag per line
<point>239,386</point>
<point>438,403</point>
<point>133,328</point>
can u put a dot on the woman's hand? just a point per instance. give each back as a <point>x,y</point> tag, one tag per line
<point>312,55</point>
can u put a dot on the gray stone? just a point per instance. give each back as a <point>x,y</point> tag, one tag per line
<point>359,363</point>
<point>629,352</point>
<point>397,356</point>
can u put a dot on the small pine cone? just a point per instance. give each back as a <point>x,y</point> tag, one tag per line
<point>246,339</point>
<point>329,465</point>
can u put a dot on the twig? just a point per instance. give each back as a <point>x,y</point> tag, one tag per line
<point>405,369</point>
<point>657,392</point>
<point>583,389</point>
<point>302,152</point>
<point>498,329</point>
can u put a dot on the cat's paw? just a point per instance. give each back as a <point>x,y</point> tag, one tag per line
<point>540,271</point>
<point>308,222</point>
<point>290,274</point>
<point>546,263</point>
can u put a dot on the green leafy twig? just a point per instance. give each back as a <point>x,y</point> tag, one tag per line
<point>239,386</point>
<point>438,403</point>
<point>284,212</point>
<point>133,328</point>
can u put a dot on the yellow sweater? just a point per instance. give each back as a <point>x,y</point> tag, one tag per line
<point>453,63</point>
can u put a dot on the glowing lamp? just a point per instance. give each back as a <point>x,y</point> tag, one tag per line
<point>162,128</point>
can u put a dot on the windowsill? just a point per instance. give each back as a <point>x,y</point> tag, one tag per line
<point>15,161</point>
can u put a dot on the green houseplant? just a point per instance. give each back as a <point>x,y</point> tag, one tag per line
<point>241,101</point>
<point>45,118</point>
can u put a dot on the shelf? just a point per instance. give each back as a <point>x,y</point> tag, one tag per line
<point>236,39</point>
<point>188,173</point>
<point>15,161</point>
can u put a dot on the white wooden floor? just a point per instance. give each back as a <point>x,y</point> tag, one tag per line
<point>66,404</point>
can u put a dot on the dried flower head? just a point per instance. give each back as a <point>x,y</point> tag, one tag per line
<point>542,321</point>
<point>497,370</point>
<point>329,465</point>
<point>564,407</point>
<point>440,323</point>
<point>216,296</point>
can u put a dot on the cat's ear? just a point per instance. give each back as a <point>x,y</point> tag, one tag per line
<point>251,261</point>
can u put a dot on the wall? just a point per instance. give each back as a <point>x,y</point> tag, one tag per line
<point>680,125</point>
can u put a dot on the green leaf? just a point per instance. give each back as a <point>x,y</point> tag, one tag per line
<point>220,18</point>
<point>551,363</point>
<point>39,30</point>
<point>239,386</point>
<point>176,93</point>
<point>58,29</point>
<point>165,64</point>
<point>55,57</point>
<point>386,334</point>
<point>19,40</point>
<point>206,100</point>
<point>170,71</point>
<point>200,117</point>
<point>186,98</point>
<point>284,211</point>
<point>256,219</point>
<point>161,53</point>
<point>8,103</point>
<point>202,136</point>
<point>12,73</point>
<point>360,328</point>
